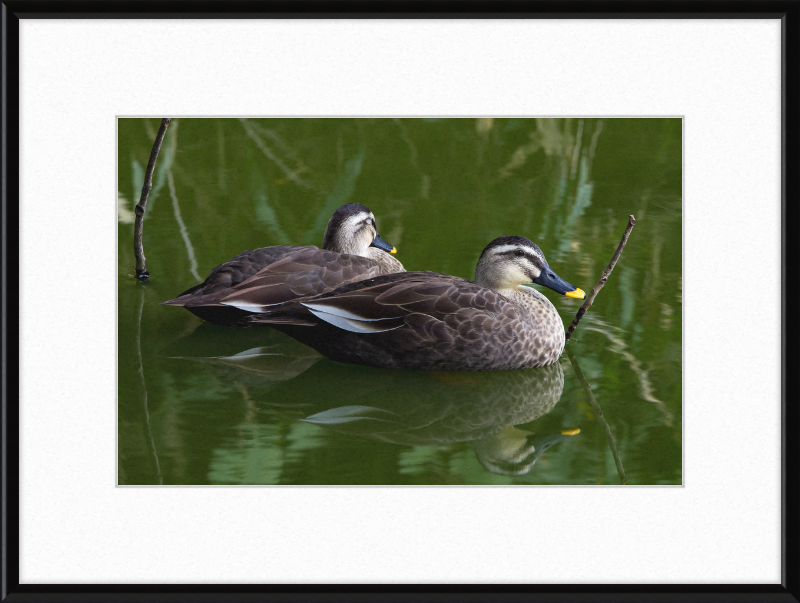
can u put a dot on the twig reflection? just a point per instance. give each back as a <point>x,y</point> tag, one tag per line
<point>598,413</point>
<point>144,386</point>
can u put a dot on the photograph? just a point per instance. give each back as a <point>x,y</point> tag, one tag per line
<point>428,301</point>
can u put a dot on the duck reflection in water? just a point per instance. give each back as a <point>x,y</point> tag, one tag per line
<point>252,359</point>
<point>409,408</point>
<point>423,408</point>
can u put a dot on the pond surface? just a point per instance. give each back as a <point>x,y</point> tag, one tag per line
<point>203,404</point>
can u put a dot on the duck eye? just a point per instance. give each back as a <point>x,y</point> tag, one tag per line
<point>519,253</point>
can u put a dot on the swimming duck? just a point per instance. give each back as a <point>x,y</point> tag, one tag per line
<point>352,250</point>
<point>424,320</point>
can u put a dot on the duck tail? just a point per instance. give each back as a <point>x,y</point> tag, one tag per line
<point>186,296</point>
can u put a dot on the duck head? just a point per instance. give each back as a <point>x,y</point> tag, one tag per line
<point>352,230</point>
<point>511,262</point>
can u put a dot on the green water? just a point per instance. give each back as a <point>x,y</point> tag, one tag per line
<point>201,404</point>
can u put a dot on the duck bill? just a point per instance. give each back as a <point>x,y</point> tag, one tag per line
<point>551,280</point>
<point>381,244</point>
<point>542,444</point>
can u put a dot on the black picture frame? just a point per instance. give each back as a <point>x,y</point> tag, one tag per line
<point>788,11</point>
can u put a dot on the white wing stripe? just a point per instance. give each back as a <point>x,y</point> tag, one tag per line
<point>346,324</point>
<point>339,312</point>
<point>246,306</point>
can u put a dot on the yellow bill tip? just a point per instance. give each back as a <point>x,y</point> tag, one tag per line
<point>394,250</point>
<point>571,432</point>
<point>577,294</point>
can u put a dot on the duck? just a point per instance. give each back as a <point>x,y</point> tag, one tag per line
<point>351,250</point>
<point>431,321</point>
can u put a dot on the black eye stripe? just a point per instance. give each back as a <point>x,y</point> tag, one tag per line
<point>532,258</point>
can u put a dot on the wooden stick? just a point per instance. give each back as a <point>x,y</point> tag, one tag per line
<point>141,272</point>
<point>596,289</point>
<point>598,413</point>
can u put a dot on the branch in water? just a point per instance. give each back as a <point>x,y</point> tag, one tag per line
<point>596,289</point>
<point>141,272</point>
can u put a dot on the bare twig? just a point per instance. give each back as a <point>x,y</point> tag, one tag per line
<point>598,413</point>
<point>596,289</point>
<point>141,272</point>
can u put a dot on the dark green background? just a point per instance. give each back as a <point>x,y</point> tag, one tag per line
<point>441,189</point>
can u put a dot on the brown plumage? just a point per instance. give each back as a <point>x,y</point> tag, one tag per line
<point>353,251</point>
<point>424,320</point>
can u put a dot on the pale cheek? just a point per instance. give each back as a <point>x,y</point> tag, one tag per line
<point>513,277</point>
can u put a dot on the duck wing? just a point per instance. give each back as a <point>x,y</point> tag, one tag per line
<point>433,306</point>
<point>304,273</point>
<point>234,272</point>
<point>413,298</point>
